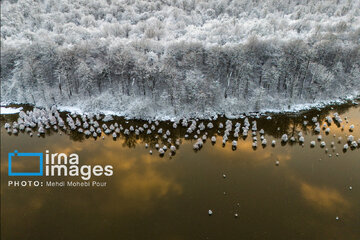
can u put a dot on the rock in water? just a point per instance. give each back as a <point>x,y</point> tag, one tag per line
<point>351,128</point>
<point>327,131</point>
<point>284,138</point>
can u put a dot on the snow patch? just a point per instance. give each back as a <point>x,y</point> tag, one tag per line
<point>10,110</point>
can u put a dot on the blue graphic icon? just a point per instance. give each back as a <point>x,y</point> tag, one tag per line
<point>40,155</point>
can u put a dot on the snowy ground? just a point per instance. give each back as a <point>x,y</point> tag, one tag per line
<point>10,110</point>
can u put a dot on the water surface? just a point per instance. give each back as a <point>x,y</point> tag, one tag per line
<point>154,197</point>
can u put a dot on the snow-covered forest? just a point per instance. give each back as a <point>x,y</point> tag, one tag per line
<point>179,58</point>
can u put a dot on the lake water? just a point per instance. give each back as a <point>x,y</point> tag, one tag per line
<point>308,195</point>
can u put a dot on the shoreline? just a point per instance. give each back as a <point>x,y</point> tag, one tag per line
<point>14,108</point>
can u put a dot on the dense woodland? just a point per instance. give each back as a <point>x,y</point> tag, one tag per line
<point>175,58</point>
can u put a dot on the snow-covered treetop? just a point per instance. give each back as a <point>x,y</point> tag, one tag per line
<point>67,22</point>
<point>179,58</point>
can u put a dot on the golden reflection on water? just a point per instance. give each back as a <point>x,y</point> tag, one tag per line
<point>324,199</point>
<point>153,197</point>
<point>147,185</point>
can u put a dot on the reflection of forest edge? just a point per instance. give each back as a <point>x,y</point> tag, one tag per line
<point>280,123</point>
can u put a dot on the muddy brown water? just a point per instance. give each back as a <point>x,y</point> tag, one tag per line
<point>307,196</point>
